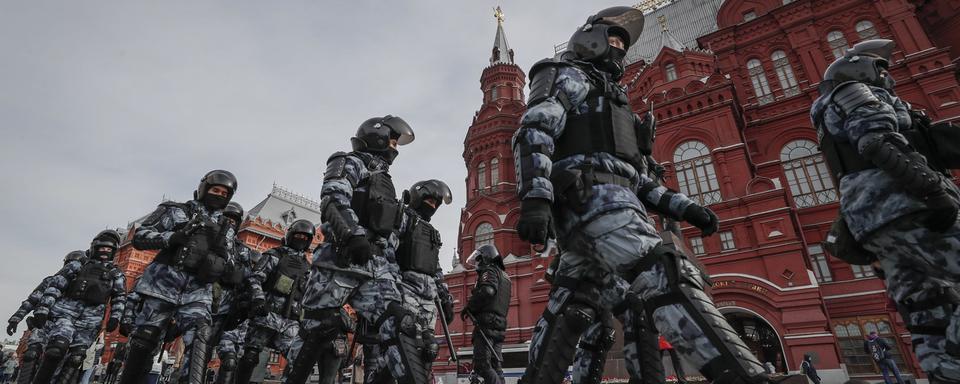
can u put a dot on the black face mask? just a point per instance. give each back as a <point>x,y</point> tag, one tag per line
<point>103,255</point>
<point>425,211</point>
<point>215,202</point>
<point>389,155</point>
<point>298,244</point>
<point>613,63</point>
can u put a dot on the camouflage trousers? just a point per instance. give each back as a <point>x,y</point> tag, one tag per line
<point>75,322</point>
<point>280,335</point>
<point>38,335</point>
<point>232,341</point>
<point>369,297</point>
<point>597,254</point>
<point>920,264</point>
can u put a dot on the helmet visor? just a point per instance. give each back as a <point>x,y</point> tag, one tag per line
<point>628,18</point>
<point>401,128</point>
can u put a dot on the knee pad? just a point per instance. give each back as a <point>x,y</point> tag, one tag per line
<point>228,361</point>
<point>251,357</point>
<point>76,356</point>
<point>145,337</point>
<point>33,352</point>
<point>57,348</point>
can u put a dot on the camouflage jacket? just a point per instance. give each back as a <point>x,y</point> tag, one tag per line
<point>57,305</point>
<point>32,301</point>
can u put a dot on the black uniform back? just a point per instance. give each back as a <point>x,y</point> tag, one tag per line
<point>376,205</point>
<point>419,246</point>
<point>500,304</point>
<point>93,283</point>
<point>288,279</point>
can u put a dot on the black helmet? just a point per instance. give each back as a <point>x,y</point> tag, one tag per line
<point>234,211</point>
<point>106,238</point>
<point>485,256</point>
<point>216,177</point>
<point>421,190</point>
<point>75,256</point>
<point>300,226</point>
<point>374,136</point>
<point>867,62</point>
<point>589,42</point>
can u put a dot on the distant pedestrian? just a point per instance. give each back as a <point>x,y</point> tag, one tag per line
<point>807,368</point>
<point>878,348</point>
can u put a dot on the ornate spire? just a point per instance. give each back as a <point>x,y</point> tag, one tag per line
<point>502,54</point>
<point>666,38</point>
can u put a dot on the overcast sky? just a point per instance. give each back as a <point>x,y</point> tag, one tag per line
<point>106,107</point>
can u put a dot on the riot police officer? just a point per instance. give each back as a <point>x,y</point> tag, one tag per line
<point>194,241</point>
<point>276,287</point>
<point>894,205</point>
<point>38,337</point>
<point>75,302</point>
<point>422,284</point>
<point>581,155</point>
<point>358,263</point>
<point>487,307</point>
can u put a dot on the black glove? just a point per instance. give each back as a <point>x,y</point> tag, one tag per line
<point>112,324</point>
<point>703,218</point>
<point>943,211</point>
<point>447,310</point>
<point>39,320</point>
<point>464,313</point>
<point>359,250</point>
<point>535,221</point>
<point>12,327</point>
<point>178,238</point>
<point>258,307</point>
<point>126,327</point>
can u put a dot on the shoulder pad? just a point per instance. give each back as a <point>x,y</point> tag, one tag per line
<point>852,95</point>
<point>543,75</point>
<point>186,208</point>
<point>336,166</point>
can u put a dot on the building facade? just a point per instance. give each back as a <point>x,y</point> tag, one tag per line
<point>731,84</point>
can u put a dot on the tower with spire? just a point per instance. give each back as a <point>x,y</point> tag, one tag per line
<point>492,206</point>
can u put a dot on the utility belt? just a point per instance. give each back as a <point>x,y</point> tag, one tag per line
<point>491,321</point>
<point>206,266</point>
<point>289,309</point>
<point>573,187</point>
<point>333,321</point>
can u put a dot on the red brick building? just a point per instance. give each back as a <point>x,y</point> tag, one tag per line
<point>731,83</point>
<point>262,228</point>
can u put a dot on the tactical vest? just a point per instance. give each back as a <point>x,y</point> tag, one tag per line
<point>196,256</point>
<point>607,126</point>
<point>287,280</point>
<point>419,247</point>
<point>375,203</point>
<point>93,283</point>
<point>500,304</point>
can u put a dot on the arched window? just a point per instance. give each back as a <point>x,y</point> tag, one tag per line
<point>807,175</point>
<point>671,71</point>
<point>482,176</point>
<point>695,172</point>
<point>759,79</point>
<point>493,93</point>
<point>785,74</point>
<point>838,43</point>
<point>483,235</point>
<point>494,172</point>
<point>866,30</point>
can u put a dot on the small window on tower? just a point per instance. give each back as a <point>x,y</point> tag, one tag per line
<point>697,244</point>
<point>671,72</point>
<point>493,93</point>
<point>749,16</point>
<point>726,241</point>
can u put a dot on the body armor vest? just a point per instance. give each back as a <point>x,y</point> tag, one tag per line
<point>196,256</point>
<point>93,283</point>
<point>607,126</point>
<point>500,304</point>
<point>375,203</point>
<point>287,280</point>
<point>419,247</point>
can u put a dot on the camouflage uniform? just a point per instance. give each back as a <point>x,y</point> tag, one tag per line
<point>38,335</point>
<point>920,264</point>
<point>74,322</point>
<point>607,236</point>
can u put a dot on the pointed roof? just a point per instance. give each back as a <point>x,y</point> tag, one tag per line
<point>502,54</point>
<point>283,207</point>
<point>690,19</point>
<point>666,38</point>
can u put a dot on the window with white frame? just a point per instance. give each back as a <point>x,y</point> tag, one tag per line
<point>818,259</point>
<point>494,172</point>
<point>838,44</point>
<point>866,30</point>
<point>759,79</point>
<point>483,235</point>
<point>861,271</point>
<point>696,245</point>
<point>750,15</point>
<point>482,176</point>
<point>726,241</point>
<point>785,74</point>
<point>810,181</point>
<point>695,173</point>
<point>671,71</point>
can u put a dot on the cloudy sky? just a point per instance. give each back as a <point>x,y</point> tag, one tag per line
<point>106,107</point>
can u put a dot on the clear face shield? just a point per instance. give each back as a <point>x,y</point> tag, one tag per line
<point>473,260</point>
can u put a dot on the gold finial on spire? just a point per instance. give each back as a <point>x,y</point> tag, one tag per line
<point>663,23</point>
<point>647,6</point>
<point>498,14</point>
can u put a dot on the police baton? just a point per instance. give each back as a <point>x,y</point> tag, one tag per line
<point>446,332</point>
<point>483,336</point>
